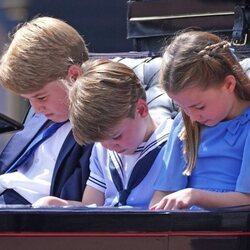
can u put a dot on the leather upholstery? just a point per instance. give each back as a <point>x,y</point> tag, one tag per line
<point>147,67</point>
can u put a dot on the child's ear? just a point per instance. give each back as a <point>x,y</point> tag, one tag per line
<point>74,72</point>
<point>142,108</point>
<point>230,83</point>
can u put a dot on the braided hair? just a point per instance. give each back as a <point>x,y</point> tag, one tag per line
<point>199,59</point>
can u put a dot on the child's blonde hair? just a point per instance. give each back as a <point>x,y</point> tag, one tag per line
<point>41,51</point>
<point>202,59</point>
<point>106,93</point>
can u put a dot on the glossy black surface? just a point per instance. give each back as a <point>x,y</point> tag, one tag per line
<point>25,219</point>
<point>151,22</point>
<point>7,124</point>
<point>104,229</point>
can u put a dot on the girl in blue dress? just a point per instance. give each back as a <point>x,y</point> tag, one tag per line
<point>207,160</point>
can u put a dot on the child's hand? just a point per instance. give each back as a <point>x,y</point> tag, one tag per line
<point>182,199</point>
<point>49,201</point>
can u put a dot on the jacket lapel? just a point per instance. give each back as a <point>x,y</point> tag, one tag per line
<point>19,142</point>
<point>65,150</point>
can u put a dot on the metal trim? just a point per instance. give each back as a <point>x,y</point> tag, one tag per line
<point>156,18</point>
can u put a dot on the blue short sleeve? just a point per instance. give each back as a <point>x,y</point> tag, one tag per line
<point>173,162</point>
<point>243,181</point>
<point>223,161</point>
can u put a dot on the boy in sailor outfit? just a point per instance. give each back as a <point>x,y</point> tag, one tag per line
<point>108,106</point>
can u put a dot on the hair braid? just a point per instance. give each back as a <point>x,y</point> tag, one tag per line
<point>213,48</point>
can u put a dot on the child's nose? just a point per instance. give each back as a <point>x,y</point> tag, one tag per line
<point>39,108</point>
<point>111,145</point>
<point>195,117</point>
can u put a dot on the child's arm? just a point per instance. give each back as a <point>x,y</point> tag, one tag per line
<point>93,196</point>
<point>188,197</point>
<point>90,196</point>
<point>55,201</point>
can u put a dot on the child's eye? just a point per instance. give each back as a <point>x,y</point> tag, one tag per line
<point>200,107</point>
<point>42,98</point>
<point>117,137</point>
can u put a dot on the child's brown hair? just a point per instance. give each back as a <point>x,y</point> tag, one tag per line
<point>41,51</point>
<point>199,59</point>
<point>106,93</point>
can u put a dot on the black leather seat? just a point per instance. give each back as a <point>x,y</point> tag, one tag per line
<point>147,68</point>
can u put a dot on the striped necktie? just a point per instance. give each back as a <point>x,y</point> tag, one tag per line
<point>29,152</point>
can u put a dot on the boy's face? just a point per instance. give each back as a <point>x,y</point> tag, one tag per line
<point>51,100</point>
<point>129,133</point>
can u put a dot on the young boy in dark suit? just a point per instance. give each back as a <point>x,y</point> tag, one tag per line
<point>42,53</point>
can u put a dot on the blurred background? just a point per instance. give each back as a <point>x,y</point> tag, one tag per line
<point>101,23</point>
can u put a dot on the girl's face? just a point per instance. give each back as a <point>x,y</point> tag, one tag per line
<point>209,106</point>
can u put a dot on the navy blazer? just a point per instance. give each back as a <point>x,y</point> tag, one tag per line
<point>72,166</point>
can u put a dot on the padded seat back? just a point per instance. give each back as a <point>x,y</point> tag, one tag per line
<point>147,69</point>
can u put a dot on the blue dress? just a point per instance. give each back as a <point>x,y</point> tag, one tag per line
<point>223,162</point>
